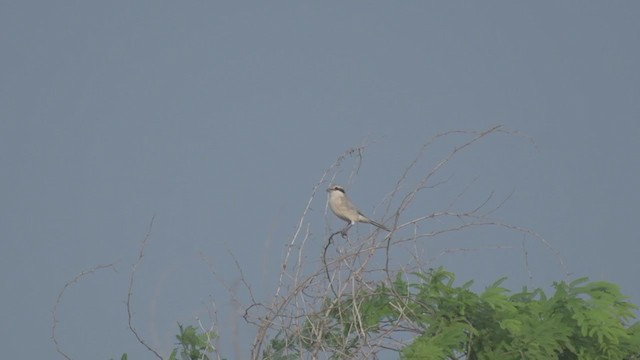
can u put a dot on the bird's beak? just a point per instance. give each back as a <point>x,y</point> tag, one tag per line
<point>329,189</point>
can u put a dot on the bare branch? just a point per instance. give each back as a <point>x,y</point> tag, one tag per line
<point>54,311</point>
<point>130,291</point>
<point>314,301</point>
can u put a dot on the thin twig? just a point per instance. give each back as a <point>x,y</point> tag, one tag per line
<point>130,291</point>
<point>54,311</point>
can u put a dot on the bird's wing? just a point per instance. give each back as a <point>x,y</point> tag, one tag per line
<point>347,204</point>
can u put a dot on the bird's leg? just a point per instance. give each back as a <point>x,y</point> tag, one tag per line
<point>343,232</point>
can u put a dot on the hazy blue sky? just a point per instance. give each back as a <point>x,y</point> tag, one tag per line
<point>220,117</point>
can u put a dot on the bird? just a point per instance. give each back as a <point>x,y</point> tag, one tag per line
<point>346,210</point>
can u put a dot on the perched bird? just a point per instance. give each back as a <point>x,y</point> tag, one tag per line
<point>345,210</point>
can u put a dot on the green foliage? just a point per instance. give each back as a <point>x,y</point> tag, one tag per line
<point>192,345</point>
<point>581,320</point>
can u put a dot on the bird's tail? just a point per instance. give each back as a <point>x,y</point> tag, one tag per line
<point>378,225</point>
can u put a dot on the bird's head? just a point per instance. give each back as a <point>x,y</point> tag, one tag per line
<point>333,188</point>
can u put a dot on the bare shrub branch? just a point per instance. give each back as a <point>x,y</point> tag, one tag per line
<point>127,303</point>
<point>143,246</point>
<point>54,311</point>
<point>315,302</point>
